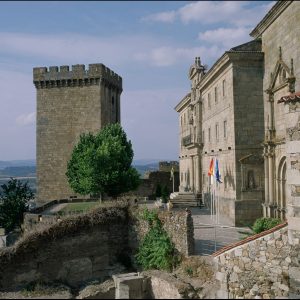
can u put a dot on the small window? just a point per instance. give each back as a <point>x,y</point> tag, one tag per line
<point>216,95</point>
<point>208,100</point>
<point>217,132</point>
<point>225,129</point>
<point>209,135</point>
<point>203,136</point>
<point>224,88</point>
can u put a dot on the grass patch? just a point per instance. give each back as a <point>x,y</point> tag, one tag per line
<point>79,207</point>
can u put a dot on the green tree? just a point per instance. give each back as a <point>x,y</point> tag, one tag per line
<point>101,163</point>
<point>165,193</point>
<point>14,201</point>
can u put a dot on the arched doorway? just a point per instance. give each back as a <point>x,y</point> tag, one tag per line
<point>281,188</point>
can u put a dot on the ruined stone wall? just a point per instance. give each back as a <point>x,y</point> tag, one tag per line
<point>178,225</point>
<point>258,267</point>
<point>89,246</point>
<point>148,185</point>
<point>69,103</point>
<point>71,251</point>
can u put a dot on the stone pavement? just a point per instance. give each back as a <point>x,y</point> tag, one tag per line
<point>208,237</point>
<point>211,236</point>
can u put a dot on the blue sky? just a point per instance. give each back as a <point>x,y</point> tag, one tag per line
<point>151,44</point>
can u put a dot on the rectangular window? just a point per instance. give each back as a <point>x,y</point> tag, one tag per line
<point>224,88</point>
<point>225,129</point>
<point>216,95</point>
<point>208,100</point>
<point>203,137</point>
<point>209,135</point>
<point>217,132</point>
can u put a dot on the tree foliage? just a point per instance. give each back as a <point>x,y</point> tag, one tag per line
<point>263,224</point>
<point>158,191</point>
<point>156,250</point>
<point>14,199</point>
<point>165,193</point>
<point>101,163</point>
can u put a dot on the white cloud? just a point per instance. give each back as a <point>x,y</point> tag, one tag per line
<point>26,119</point>
<point>227,37</point>
<point>168,55</point>
<point>74,48</point>
<point>166,17</point>
<point>238,13</point>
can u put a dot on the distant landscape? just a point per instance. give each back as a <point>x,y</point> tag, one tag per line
<point>25,170</point>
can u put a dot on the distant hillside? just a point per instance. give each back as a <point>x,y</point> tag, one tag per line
<point>144,168</point>
<point>17,163</point>
<point>26,171</point>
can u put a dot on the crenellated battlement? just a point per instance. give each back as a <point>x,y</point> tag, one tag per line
<point>63,76</point>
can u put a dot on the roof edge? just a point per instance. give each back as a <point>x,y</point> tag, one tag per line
<point>269,18</point>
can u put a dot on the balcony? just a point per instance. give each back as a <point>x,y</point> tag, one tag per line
<point>187,140</point>
<point>190,142</point>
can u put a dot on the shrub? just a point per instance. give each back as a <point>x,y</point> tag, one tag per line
<point>14,202</point>
<point>156,250</point>
<point>158,191</point>
<point>165,194</point>
<point>263,224</point>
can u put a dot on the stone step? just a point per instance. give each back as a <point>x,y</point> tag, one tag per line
<point>178,203</point>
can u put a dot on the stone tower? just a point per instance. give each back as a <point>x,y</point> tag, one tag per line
<point>69,103</point>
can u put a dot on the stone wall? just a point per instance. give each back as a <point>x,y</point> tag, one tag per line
<point>178,225</point>
<point>256,267</point>
<point>165,286</point>
<point>89,246</point>
<point>148,185</point>
<point>72,251</point>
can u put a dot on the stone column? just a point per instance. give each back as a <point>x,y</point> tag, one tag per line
<point>192,175</point>
<point>266,165</point>
<point>271,183</point>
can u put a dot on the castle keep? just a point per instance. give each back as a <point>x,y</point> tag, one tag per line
<point>69,102</point>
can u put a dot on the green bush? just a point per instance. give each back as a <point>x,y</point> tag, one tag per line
<point>156,250</point>
<point>158,191</point>
<point>165,194</point>
<point>263,224</point>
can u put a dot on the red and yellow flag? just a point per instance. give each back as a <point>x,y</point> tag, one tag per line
<point>211,168</point>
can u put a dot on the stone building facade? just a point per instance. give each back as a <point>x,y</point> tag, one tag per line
<point>279,32</point>
<point>69,103</point>
<point>222,118</point>
<point>240,121</point>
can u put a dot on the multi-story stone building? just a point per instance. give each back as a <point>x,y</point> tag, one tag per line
<point>239,119</point>
<point>222,118</point>
<point>69,103</point>
<point>279,32</point>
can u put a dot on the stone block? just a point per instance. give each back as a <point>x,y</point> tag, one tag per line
<point>293,147</point>
<point>76,270</point>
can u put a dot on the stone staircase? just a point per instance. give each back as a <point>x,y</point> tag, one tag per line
<point>185,199</point>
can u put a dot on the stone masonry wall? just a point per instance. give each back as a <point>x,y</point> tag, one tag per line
<point>178,225</point>
<point>258,267</point>
<point>148,185</point>
<point>89,246</point>
<point>71,251</point>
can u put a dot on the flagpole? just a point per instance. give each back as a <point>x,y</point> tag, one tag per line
<point>173,184</point>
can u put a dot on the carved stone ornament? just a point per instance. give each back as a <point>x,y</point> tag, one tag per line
<point>295,162</point>
<point>295,190</point>
<point>294,132</point>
